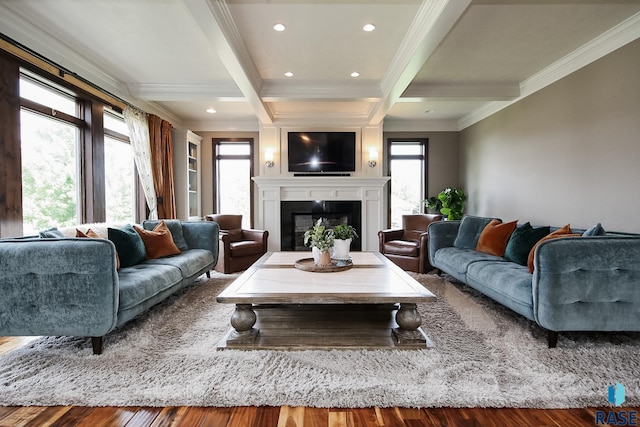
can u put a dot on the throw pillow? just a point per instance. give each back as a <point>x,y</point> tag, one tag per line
<point>495,236</point>
<point>469,231</point>
<point>158,243</point>
<point>93,235</point>
<point>175,227</point>
<point>51,233</point>
<point>596,230</point>
<point>129,245</point>
<point>522,240</point>
<point>560,232</point>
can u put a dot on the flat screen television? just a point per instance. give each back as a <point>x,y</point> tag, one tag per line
<point>322,151</point>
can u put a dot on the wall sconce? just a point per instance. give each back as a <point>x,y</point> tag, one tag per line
<point>373,157</point>
<point>268,157</point>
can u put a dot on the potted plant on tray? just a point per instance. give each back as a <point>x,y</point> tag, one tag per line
<point>321,240</point>
<point>344,235</point>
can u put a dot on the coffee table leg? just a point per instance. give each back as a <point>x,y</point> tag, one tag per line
<point>409,320</point>
<point>242,320</point>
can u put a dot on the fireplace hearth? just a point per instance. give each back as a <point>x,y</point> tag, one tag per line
<point>299,216</point>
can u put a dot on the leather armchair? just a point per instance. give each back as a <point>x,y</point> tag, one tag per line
<point>240,247</point>
<point>408,247</point>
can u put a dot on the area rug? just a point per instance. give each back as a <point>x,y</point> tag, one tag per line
<point>485,356</point>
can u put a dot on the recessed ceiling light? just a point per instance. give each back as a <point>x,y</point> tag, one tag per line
<point>369,27</point>
<point>288,74</point>
<point>211,110</point>
<point>279,27</point>
<point>355,74</point>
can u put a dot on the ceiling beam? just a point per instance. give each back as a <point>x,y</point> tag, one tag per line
<point>216,22</point>
<point>434,20</point>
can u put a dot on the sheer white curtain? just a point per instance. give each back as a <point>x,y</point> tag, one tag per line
<point>138,124</point>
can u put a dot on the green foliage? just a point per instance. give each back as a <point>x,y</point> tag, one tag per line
<point>345,231</point>
<point>319,236</point>
<point>452,200</point>
<point>433,203</point>
<point>48,173</point>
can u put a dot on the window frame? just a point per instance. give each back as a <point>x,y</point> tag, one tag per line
<point>424,143</point>
<point>216,142</point>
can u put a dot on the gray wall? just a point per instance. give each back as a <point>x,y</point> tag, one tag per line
<point>566,154</point>
<point>444,157</point>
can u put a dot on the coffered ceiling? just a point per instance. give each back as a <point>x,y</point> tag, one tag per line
<point>428,65</point>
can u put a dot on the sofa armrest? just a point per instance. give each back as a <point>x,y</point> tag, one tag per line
<point>587,283</point>
<point>63,286</point>
<point>202,235</point>
<point>442,234</point>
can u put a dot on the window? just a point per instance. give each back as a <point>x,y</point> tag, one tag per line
<point>119,170</point>
<point>408,170</point>
<point>233,160</point>
<point>50,149</point>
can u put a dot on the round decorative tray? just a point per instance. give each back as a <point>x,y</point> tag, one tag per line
<point>307,264</point>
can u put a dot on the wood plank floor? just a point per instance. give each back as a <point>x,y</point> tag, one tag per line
<point>285,416</point>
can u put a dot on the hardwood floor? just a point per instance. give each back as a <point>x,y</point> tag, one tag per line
<point>286,416</point>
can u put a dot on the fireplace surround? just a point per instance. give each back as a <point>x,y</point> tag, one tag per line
<point>368,191</point>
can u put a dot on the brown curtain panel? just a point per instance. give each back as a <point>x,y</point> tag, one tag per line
<point>162,163</point>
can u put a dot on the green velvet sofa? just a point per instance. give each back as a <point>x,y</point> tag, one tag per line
<point>67,286</point>
<point>578,283</point>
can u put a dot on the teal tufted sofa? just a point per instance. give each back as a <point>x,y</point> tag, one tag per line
<point>578,283</point>
<point>70,286</point>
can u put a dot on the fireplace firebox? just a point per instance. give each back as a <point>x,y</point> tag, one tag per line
<point>299,216</point>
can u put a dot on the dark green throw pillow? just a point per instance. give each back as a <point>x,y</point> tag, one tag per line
<point>522,240</point>
<point>129,245</point>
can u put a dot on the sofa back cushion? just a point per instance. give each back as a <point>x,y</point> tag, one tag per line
<point>469,232</point>
<point>493,239</point>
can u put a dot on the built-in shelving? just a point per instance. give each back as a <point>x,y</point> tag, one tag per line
<point>187,174</point>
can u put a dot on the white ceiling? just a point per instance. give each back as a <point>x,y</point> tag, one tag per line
<point>460,60</point>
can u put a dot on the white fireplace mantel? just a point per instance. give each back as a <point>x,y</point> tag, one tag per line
<point>370,191</point>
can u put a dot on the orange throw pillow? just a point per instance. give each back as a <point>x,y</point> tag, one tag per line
<point>560,232</point>
<point>495,236</point>
<point>159,242</point>
<point>93,235</point>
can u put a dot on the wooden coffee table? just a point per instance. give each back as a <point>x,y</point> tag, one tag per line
<point>370,305</point>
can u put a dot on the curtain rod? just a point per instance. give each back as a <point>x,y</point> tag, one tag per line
<point>20,51</point>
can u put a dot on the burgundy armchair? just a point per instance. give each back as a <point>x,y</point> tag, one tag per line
<point>240,247</point>
<point>408,247</point>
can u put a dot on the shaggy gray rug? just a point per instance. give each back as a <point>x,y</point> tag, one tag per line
<point>485,356</point>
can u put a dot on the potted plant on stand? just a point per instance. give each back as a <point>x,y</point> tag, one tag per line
<point>452,200</point>
<point>321,240</point>
<point>344,235</point>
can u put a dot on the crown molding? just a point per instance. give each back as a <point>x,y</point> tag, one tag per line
<point>489,91</point>
<point>274,91</point>
<point>51,47</point>
<point>240,125</point>
<point>222,91</point>
<point>609,41</point>
<point>398,125</point>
